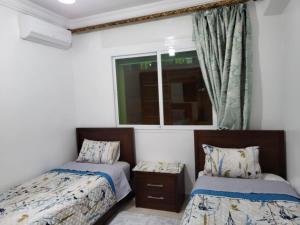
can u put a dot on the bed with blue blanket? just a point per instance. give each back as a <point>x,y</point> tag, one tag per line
<point>74,194</point>
<point>216,200</point>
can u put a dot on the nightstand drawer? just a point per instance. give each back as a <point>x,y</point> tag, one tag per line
<point>155,196</point>
<point>156,183</point>
<point>156,200</point>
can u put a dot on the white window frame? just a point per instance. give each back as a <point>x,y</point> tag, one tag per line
<point>157,53</point>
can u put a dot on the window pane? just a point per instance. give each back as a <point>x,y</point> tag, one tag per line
<point>137,90</point>
<point>186,101</point>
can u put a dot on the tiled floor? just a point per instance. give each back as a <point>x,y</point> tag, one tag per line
<point>131,208</point>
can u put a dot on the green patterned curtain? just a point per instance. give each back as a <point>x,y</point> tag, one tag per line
<point>222,39</point>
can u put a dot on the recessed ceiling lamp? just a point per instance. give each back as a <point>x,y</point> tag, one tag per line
<point>68,2</point>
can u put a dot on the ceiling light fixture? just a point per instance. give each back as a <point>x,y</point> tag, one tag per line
<point>68,2</point>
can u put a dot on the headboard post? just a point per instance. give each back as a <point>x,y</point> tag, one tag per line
<point>124,135</point>
<point>272,155</point>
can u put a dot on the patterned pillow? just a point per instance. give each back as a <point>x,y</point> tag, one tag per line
<point>232,162</point>
<point>111,153</point>
<point>91,151</point>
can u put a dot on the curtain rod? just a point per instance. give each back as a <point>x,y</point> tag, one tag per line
<point>156,16</point>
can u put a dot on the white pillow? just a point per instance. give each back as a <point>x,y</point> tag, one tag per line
<point>272,177</point>
<point>232,162</point>
<point>111,153</point>
<point>90,152</point>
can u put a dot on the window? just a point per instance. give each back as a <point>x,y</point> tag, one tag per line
<point>137,90</point>
<point>183,97</point>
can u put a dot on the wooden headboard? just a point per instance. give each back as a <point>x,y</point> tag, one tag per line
<point>124,135</point>
<point>272,147</point>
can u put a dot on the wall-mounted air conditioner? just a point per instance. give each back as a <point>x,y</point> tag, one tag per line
<point>36,30</point>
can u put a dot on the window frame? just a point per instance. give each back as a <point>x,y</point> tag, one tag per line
<point>160,126</point>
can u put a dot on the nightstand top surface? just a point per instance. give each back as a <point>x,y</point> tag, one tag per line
<point>159,167</point>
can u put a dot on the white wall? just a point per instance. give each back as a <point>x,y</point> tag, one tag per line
<point>37,117</point>
<point>291,75</point>
<point>92,67</point>
<point>267,67</point>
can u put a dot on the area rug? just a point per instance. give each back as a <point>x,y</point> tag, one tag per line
<point>129,218</point>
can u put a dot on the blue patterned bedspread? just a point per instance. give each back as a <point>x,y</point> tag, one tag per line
<point>246,207</point>
<point>60,196</point>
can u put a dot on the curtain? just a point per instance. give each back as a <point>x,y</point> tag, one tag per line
<point>222,39</point>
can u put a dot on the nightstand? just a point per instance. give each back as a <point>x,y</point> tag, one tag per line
<point>159,185</point>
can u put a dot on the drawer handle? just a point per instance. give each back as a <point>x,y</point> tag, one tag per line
<point>157,198</point>
<point>155,185</point>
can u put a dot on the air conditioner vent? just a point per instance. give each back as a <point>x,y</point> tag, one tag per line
<point>36,30</point>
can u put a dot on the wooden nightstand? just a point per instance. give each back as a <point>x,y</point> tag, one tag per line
<point>159,189</point>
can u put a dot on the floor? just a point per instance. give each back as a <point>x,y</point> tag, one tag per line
<point>130,207</point>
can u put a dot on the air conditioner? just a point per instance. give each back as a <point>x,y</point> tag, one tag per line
<point>36,30</point>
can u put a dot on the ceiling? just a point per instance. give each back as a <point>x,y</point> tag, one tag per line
<point>84,8</point>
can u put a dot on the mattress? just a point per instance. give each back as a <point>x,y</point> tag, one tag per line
<point>216,200</point>
<point>73,194</point>
<point>125,167</point>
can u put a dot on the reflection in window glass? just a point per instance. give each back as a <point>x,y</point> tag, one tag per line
<point>185,98</point>
<point>137,90</point>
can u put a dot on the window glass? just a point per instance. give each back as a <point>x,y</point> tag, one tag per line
<point>137,90</point>
<point>185,98</point>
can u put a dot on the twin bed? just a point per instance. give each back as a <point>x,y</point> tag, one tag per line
<point>75,193</point>
<point>223,200</point>
<point>85,193</point>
